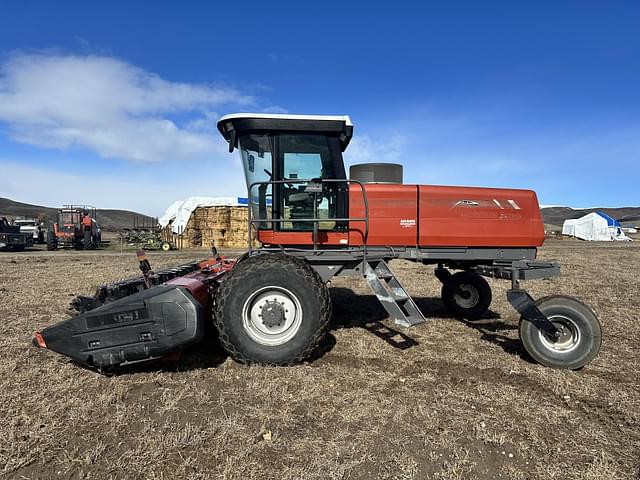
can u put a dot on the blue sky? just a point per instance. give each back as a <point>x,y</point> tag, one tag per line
<point>120,99</point>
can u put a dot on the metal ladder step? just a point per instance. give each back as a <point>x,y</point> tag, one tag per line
<point>393,296</point>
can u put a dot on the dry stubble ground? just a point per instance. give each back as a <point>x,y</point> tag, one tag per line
<point>445,399</point>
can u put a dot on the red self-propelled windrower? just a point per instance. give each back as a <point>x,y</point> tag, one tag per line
<point>313,222</point>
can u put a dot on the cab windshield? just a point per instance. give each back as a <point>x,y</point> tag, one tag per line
<point>70,218</point>
<point>292,160</point>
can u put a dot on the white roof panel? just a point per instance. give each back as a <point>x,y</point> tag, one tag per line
<point>288,116</point>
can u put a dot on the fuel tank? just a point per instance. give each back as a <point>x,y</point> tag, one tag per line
<point>442,216</point>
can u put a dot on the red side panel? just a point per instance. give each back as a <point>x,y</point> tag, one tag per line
<point>393,216</point>
<point>479,217</point>
<point>197,288</point>
<point>325,238</point>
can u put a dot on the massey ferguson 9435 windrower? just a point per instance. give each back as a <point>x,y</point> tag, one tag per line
<point>272,305</point>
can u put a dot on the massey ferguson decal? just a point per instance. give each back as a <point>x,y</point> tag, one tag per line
<point>408,222</point>
<point>474,203</point>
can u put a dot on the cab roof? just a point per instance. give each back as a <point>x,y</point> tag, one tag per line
<point>230,126</point>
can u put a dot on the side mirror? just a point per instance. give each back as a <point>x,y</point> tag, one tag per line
<point>252,163</point>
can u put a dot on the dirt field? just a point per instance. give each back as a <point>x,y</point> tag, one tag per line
<point>444,400</point>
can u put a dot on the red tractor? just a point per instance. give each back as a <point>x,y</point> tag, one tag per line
<point>272,305</point>
<point>76,228</point>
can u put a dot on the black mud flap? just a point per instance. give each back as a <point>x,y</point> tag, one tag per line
<point>143,326</point>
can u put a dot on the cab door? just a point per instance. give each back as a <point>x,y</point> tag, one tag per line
<point>302,159</point>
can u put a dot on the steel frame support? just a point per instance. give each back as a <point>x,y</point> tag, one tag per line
<point>526,306</point>
<point>442,273</point>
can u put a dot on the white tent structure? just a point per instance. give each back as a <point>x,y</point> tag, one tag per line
<point>595,226</point>
<point>181,210</point>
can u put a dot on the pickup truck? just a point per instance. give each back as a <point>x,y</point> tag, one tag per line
<point>12,238</point>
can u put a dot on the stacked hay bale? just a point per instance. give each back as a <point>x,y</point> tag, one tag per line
<point>222,226</point>
<point>237,233</point>
<point>226,227</point>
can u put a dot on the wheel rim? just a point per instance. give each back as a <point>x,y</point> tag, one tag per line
<point>467,296</point>
<point>272,316</point>
<point>569,335</point>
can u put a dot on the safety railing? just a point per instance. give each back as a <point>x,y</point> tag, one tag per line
<point>312,189</point>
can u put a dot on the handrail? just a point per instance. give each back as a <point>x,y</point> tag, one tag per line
<point>315,220</point>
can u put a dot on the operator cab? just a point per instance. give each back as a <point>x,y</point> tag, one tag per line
<point>286,158</point>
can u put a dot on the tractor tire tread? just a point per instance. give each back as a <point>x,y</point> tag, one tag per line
<point>52,243</point>
<point>252,266</point>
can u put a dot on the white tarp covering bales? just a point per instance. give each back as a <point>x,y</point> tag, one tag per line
<point>181,210</point>
<point>170,213</point>
<point>595,226</point>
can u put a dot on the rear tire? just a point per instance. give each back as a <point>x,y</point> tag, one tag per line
<point>582,334</point>
<point>88,241</point>
<point>272,309</point>
<point>466,294</point>
<point>52,242</point>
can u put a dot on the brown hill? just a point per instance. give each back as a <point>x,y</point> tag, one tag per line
<point>108,219</point>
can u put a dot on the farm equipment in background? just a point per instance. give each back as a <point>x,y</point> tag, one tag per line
<point>272,305</point>
<point>144,239</point>
<point>12,238</point>
<point>158,244</point>
<point>76,227</point>
<point>33,227</point>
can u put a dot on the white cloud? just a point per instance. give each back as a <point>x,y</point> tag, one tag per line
<point>150,195</point>
<point>363,148</point>
<point>109,106</point>
<point>275,109</point>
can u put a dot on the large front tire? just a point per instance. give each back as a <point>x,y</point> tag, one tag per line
<point>581,334</point>
<point>272,309</point>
